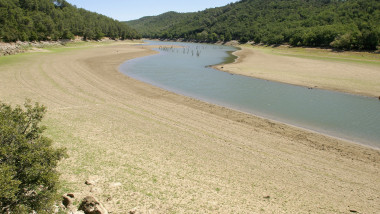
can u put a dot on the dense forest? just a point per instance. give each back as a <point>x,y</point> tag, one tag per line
<point>342,24</point>
<point>36,20</point>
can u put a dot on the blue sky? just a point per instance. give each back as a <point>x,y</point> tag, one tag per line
<point>125,10</point>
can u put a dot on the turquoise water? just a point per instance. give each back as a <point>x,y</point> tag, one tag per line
<point>185,71</point>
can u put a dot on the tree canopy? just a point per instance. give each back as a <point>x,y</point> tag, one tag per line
<point>344,24</point>
<point>36,20</point>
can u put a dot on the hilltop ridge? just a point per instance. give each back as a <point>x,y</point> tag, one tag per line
<point>27,20</point>
<point>351,24</point>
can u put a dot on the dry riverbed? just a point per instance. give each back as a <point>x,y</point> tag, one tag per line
<point>159,152</point>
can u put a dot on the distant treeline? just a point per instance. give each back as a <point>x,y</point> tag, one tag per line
<point>343,24</point>
<point>36,20</point>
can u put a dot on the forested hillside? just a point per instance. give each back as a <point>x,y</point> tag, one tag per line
<point>31,20</point>
<point>344,24</point>
<point>156,26</point>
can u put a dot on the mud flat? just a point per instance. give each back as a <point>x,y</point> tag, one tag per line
<point>169,153</point>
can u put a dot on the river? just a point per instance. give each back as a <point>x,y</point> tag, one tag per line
<point>186,71</point>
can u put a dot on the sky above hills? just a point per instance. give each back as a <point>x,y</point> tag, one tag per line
<point>125,10</point>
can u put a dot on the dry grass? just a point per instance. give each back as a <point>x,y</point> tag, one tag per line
<point>173,154</point>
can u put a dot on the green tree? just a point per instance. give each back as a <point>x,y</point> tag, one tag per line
<point>67,35</point>
<point>343,41</point>
<point>28,176</point>
<point>212,37</point>
<point>222,38</point>
<point>243,40</point>
<point>55,19</point>
<point>98,34</point>
<point>297,22</point>
<point>228,37</point>
<point>369,39</point>
<point>88,34</point>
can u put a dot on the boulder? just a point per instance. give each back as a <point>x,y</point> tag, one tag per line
<point>90,205</point>
<point>68,200</point>
<point>71,195</point>
<point>90,182</point>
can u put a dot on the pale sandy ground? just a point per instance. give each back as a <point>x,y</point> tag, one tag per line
<point>330,71</point>
<point>159,152</point>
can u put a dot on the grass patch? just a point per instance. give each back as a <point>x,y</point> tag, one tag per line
<point>74,46</point>
<point>154,179</point>
<point>11,59</point>
<point>230,58</point>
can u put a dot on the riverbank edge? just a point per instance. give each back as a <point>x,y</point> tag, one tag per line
<point>240,58</point>
<point>205,106</point>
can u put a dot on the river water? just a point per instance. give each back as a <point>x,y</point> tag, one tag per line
<point>186,71</point>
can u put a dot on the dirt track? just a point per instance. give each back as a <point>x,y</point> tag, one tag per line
<point>161,152</point>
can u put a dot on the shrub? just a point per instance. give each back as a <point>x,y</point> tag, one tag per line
<point>28,178</point>
<point>342,42</point>
<point>243,40</point>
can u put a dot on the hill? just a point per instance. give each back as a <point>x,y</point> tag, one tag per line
<point>152,26</point>
<point>30,20</point>
<point>344,24</point>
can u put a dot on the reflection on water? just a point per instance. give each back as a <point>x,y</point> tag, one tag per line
<point>185,71</point>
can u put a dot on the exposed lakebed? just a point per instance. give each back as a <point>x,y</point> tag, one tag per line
<point>185,70</point>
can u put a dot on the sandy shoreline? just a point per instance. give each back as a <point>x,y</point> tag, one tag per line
<point>170,153</point>
<point>302,70</point>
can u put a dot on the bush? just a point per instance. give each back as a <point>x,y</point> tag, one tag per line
<point>28,178</point>
<point>243,40</point>
<point>68,35</point>
<point>342,42</point>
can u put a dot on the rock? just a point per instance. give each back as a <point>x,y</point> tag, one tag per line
<point>133,211</point>
<point>90,182</point>
<point>90,205</point>
<point>68,200</point>
<point>20,47</point>
<point>353,211</point>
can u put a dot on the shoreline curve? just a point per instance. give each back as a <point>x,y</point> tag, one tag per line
<point>270,69</point>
